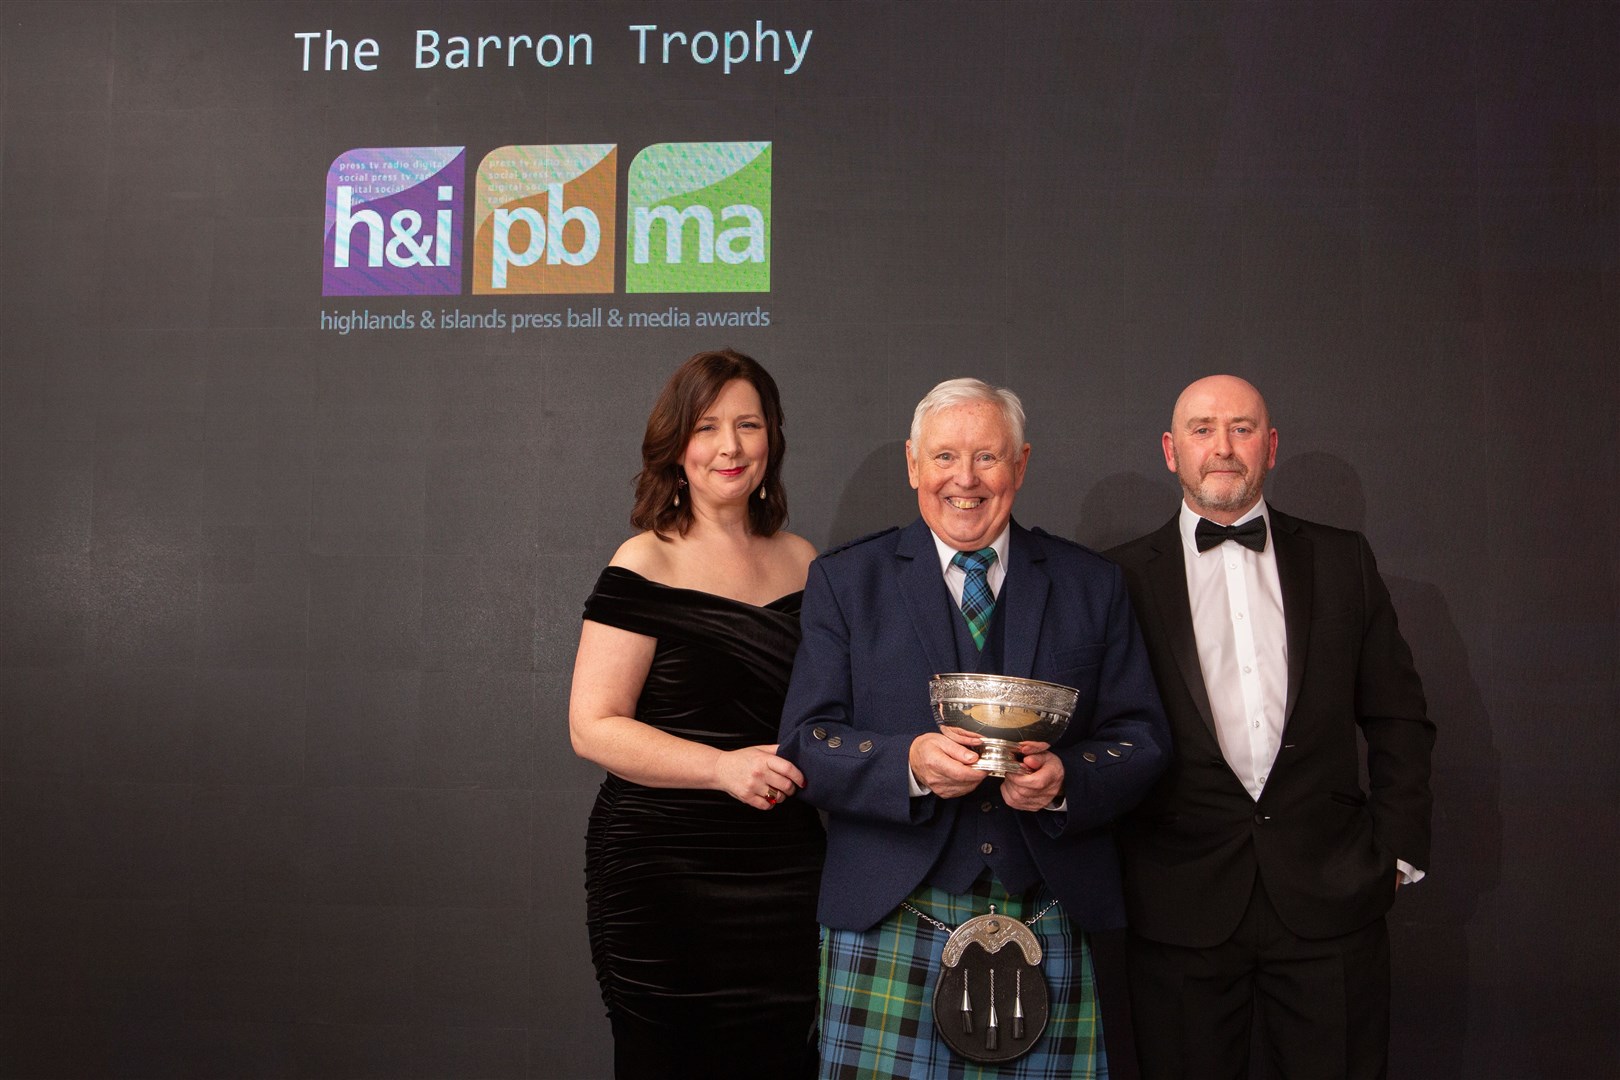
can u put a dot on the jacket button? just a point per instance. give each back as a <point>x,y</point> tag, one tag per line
<point>866,746</point>
<point>1113,753</point>
<point>1127,744</point>
<point>835,742</point>
<point>1089,756</point>
<point>820,732</point>
<point>986,806</point>
<point>987,849</point>
<point>1261,819</point>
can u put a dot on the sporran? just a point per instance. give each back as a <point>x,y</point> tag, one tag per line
<point>991,1002</point>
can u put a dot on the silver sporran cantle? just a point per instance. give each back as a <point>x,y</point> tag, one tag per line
<point>1004,711</point>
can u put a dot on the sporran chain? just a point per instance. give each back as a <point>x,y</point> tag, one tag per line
<point>931,921</point>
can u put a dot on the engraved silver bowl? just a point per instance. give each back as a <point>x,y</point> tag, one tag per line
<point>1004,711</point>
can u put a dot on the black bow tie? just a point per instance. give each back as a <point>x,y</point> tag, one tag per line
<point>1251,534</point>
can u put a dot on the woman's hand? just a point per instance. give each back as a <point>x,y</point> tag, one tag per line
<point>757,776</point>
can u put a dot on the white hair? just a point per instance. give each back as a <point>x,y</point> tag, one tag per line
<point>954,392</point>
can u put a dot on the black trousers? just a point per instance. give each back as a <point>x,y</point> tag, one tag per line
<point>1318,1009</point>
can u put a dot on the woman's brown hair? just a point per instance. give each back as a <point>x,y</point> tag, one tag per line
<point>688,394</point>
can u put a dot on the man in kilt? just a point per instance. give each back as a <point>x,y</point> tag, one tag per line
<point>918,841</point>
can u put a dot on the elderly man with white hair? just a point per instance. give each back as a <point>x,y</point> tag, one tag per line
<point>919,841</point>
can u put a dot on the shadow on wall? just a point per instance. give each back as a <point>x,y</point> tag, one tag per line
<point>1124,506</point>
<point>876,497</point>
<point>1428,926</point>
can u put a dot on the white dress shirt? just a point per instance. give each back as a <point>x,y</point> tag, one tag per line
<point>1237,613</point>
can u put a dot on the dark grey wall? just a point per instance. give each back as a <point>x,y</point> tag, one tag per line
<point>287,617</point>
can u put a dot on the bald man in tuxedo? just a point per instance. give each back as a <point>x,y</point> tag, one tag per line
<point>1259,870</point>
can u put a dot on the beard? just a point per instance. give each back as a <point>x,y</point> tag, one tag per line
<point>1224,497</point>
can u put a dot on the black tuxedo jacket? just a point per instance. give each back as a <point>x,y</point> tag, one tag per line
<point>1324,846</point>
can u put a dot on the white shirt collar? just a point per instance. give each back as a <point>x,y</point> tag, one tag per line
<point>947,553</point>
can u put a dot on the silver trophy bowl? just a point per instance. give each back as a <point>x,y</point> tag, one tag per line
<point>1004,711</point>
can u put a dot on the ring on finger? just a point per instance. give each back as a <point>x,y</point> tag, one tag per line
<point>772,796</point>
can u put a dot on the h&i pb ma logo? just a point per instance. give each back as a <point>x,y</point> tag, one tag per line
<point>697,219</point>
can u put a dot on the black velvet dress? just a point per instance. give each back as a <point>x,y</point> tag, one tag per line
<point>702,910</point>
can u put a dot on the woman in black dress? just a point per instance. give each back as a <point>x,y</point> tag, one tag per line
<point>701,869</point>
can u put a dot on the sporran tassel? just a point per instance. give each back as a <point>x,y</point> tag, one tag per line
<point>992,1034</point>
<point>1018,1004</point>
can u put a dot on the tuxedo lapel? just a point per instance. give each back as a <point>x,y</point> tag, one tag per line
<point>1295,558</point>
<point>1025,590</point>
<point>922,587</point>
<point>1166,574</point>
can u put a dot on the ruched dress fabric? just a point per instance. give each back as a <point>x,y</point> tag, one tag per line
<point>701,909</point>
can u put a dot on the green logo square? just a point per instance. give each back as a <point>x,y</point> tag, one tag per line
<point>698,218</point>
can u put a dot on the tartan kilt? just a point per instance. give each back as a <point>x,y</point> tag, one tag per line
<point>877,991</point>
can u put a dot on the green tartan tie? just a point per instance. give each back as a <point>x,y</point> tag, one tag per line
<point>978,603</point>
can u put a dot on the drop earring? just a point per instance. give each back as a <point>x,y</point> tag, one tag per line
<point>762,493</point>
<point>680,482</point>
